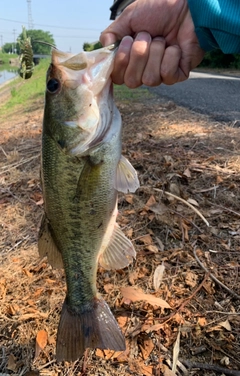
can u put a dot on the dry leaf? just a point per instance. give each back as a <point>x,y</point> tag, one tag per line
<point>129,233</point>
<point>100,353</point>
<point>158,276</point>
<point>146,239</point>
<point>129,199</point>
<point>160,244</point>
<point>41,342</point>
<point>202,321</point>
<point>146,348</point>
<point>40,202</point>
<point>122,321</point>
<point>153,328</point>
<point>176,350</point>
<point>150,202</point>
<point>191,279</point>
<point>140,368</point>
<point>133,276</point>
<point>167,371</point>
<point>192,201</point>
<point>187,173</point>
<point>135,295</point>
<point>12,365</point>
<point>108,287</point>
<point>219,179</point>
<point>152,248</point>
<point>226,325</point>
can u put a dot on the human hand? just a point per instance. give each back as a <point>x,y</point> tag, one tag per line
<point>159,44</point>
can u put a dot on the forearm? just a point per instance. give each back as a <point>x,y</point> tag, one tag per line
<point>217,24</point>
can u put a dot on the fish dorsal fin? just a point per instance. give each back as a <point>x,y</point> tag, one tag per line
<point>47,246</point>
<point>126,177</point>
<point>119,252</point>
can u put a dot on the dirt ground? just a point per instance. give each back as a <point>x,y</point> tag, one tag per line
<point>178,303</point>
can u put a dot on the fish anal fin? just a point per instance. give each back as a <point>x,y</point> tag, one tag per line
<point>126,177</point>
<point>94,327</point>
<point>47,246</point>
<point>119,252</point>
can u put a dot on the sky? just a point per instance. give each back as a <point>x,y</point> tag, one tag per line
<point>71,22</point>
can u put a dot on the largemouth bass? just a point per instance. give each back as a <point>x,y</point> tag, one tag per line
<point>81,170</point>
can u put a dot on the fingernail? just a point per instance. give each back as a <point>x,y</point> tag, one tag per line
<point>107,39</point>
<point>159,38</point>
<point>126,42</point>
<point>143,36</point>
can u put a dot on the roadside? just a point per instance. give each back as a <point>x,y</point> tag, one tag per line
<point>188,165</point>
<point>207,93</point>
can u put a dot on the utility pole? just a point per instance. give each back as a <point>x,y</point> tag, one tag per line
<point>30,20</point>
<point>14,48</point>
<point>1,40</point>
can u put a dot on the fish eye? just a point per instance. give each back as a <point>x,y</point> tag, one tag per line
<point>53,85</point>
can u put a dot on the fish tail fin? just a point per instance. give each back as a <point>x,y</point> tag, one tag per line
<point>94,327</point>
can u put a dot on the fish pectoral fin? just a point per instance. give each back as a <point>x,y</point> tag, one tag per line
<point>119,252</point>
<point>94,326</point>
<point>47,246</point>
<point>126,177</point>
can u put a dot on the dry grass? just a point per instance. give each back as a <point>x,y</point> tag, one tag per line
<point>173,150</point>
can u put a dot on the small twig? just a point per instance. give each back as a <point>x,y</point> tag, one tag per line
<point>18,243</point>
<point>185,301</point>
<point>192,223</point>
<point>225,313</point>
<point>3,358</point>
<point>210,367</point>
<point>213,277</point>
<point>15,165</point>
<point>186,203</point>
<point>206,189</point>
<point>47,364</point>
<point>3,151</point>
<point>227,209</point>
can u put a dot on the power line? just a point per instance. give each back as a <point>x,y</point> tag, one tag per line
<point>52,26</point>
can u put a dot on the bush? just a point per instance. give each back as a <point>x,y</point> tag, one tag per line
<point>217,59</point>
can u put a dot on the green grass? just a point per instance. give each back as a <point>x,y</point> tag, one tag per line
<point>25,92</point>
<point>6,57</point>
<point>123,93</point>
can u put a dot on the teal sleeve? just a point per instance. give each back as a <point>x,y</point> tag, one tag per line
<point>217,24</point>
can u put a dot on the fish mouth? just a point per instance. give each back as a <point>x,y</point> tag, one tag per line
<point>86,76</point>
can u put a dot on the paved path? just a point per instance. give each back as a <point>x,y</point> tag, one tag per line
<point>214,95</point>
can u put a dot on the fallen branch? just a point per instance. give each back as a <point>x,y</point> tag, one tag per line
<point>210,367</point>
<point>213,277</point>
<point>185,202</point>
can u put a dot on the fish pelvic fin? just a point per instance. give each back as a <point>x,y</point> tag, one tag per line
<point>94,327</point>
<point>119,252</point>
<point>47,246</point>
<point>126,179</point>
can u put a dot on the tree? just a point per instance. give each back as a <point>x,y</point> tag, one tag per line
<point>91,46</point>
<point>41,36</point>
<point>7,47</point>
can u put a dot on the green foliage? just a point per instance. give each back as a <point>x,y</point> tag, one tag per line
<point>39,35</point>
<point>8,47</point>
<point>91,46</point>
<point>26,91</point>
<point>217,59</point>
<point>4,57</point>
